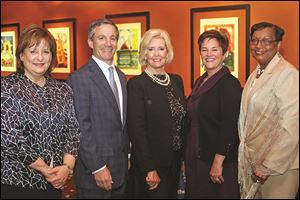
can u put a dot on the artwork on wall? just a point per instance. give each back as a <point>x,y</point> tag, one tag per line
<point>64,32</point>
<point>232,21</point>
<point>131,27</point>
<point>9,40</point>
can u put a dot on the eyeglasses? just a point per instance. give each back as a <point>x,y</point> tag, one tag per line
<point>264,42</point>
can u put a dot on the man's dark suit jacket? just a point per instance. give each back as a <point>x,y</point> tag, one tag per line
<point>104,139</point>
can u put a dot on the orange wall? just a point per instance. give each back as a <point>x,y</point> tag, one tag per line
<point>174,16</point>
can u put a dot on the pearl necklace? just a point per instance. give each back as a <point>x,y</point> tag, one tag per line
<point>164,82</point>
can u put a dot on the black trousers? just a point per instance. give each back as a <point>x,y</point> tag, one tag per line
<point>14,192</point>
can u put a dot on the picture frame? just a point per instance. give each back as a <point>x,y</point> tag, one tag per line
<point>131,28</point>
<point>64,32</point>
<point>233,21</point>
<point>9,39</point>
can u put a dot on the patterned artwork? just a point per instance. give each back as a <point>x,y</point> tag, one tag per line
<point>8,49</point>
<point>62,37</point>
<point>127,55</point>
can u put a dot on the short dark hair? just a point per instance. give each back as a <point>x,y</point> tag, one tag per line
<point>279,32</point>
<point>99,22</point>
<point>220,37</point>
<point>31,36</point>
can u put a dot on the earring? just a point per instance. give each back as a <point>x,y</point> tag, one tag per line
<point>202,65</point>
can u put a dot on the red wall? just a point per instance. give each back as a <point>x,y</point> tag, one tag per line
<point>173,16</point>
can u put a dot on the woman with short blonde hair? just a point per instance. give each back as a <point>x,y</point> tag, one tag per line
<point>156,115</point>
<point>146,39</point>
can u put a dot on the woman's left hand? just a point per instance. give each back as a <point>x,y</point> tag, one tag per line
<point>59,176</point>
<point>216,169</point>
<point>259,177</point>
<point>216,174</point>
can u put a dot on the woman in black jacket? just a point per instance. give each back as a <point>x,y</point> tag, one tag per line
<point>156,112</point>
<point>213,108</point>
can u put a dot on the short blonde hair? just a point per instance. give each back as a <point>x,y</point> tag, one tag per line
<point>146,39</point>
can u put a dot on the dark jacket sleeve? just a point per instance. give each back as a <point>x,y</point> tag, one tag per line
<point>230,98</point>
<point>137,125</point>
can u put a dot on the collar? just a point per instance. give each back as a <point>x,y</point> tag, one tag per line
<point>269,68</point>
<point>198,91</point>
<point>103,65</point>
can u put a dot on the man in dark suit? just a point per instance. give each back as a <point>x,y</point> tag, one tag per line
<point>100,101</point>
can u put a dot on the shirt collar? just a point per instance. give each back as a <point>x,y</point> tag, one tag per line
<point>103,65</point>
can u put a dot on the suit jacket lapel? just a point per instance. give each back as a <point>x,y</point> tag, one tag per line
<point>266,75</point>
<point>249,92</point>
<point>101,82</point>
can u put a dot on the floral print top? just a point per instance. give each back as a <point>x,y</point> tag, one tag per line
<point>35,122</point>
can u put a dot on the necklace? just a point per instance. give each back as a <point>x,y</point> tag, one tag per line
<point>164,82</point>
<point>259,72</point>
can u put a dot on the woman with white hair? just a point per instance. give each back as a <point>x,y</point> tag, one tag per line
<point>156,113</point>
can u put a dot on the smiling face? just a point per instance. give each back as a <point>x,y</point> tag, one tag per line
<point>36,59</point>
<point>156,53</point>
<point>265,47</point>
<point>212,54</point>
<point>104,43</point>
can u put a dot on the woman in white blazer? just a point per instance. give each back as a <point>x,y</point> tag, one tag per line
<point>269,121</point>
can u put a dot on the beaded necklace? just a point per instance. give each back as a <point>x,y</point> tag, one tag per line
<point>259,72</point>
<point>164,82</point>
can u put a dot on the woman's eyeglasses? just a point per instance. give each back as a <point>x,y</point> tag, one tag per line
<point>264,42</point>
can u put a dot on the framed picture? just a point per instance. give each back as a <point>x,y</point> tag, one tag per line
<point>232,21</point>
<point>64,32</point>
<point>131,28</point>
<point>9,40</point>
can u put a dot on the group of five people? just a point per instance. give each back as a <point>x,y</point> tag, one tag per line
<point>230,143</point>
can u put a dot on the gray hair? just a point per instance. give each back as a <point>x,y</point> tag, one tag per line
<point>99,22</point>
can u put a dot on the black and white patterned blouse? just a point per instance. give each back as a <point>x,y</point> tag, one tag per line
<point>35,122</point>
